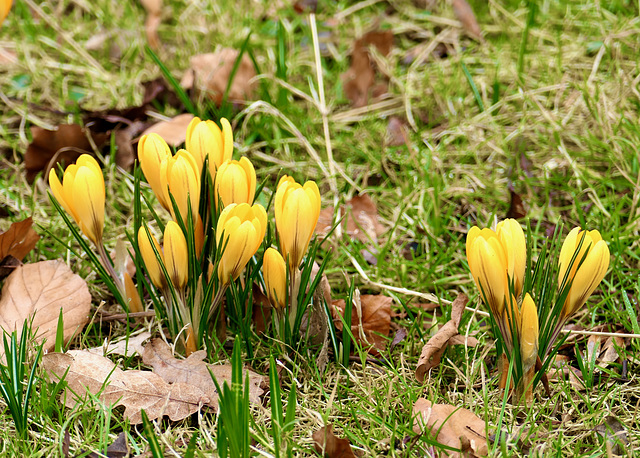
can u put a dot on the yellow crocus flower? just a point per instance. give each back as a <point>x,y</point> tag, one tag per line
<point>179,176</point>
<point>513,241</point>
<point>586,274</point>
<point>235,182</point>
<point>205,139</point>
<point>528,332</point>
<point>5,7</point>
<point>297,209</point>
<point>152,152</point>
<point>275,277</point>
<point>82,195</point>
<point>176,256</point>
<point>240,230</point>
<point>149,257</point>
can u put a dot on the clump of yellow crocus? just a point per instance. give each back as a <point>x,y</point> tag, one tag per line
<point>275,278</point>
<point>588,269</point>
<point>235,182</point>
<point>297,208</point>
<point>152,152</point>
<point>180,177</point>
<point>206,140</point>
<point>82,195</point>
<point>239,232</point>
<point>5,7</point>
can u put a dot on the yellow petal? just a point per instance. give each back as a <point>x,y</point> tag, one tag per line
<point>149,257</point>
<point>588,277</point>
<point>5,7</point>
<point>227,139</point>
<point>176,256</point>
<point>275,277</point>
<point>514,244</point>
<point>152,152</point>
<point>529,332</point>
<point>88,202</point>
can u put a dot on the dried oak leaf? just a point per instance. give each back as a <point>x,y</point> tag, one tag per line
<point>435,347</point>
<point>370,320</point>
<point>456,427</point>
<point>127,346</point>
<point>360,79</point>
<point>154,18</point>
<point>195,371</point>
<point>135,390</point>
<point>465,15</point>
<point>331,446</point>
<point>362,222</point>
<point>174,131</point>
<point>42,289</point>
<point>65,144</point>
<point>211,72</point>
<point>18,240</point>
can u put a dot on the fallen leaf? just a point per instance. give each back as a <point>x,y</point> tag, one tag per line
<point>401,334</point>
<point>468,341</point>
<point>118,449</point>
<point>437,344</point>
<point>65,144</point>
<point>331,446</point>
<point>18,240</point>
<point>127,346</point>
<point>516,206</point>
<point>396,132</point>
<point>211,72</point>
<point>135,390</point>
<point>370,320</point>
<point>154,18</point>
<point>465,15</point>
<point>8,265</point>
<point>42,289</point>
<point>455,427</point>
<point>174,131</point>
<point>360,78</point>
<point>305,6</point>
<point>194,371</point>
<point>614,433</point>
<point>362,221</point>
<point>123,139</point>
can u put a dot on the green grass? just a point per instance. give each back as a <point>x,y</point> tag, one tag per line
<point>556,119</point>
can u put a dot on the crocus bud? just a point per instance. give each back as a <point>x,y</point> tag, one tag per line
<point>131,293</point>
<point>528,333</point>
<point>297,209</point>
<point>176,256</point>
<point>235,182</point>
<point>152,152</point>
<point>205,139</point>
<point>240,230</point>
<point>82,195</point>
<point>275,277</point>
<point>151,261</point>
<point>513,241</point>
<point>488,266</point>
<point>585,274</point>
<point>179,176</point>
<point>5,6</point>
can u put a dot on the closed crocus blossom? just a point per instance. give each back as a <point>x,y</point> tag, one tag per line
<point>586,274</point>
<point>176,258</point>
<point>240,230</point>
<point>205,139</point>
<point>82,195</point>
<point>5,6</point>
<point>513,241</point>
<point>275,277</point>
<point>179,176</point>
<point>528,332</point>
<point>297,209</point>
<point>149,257</point>
<point>152,152</point>
<point>488,265</point>
<point>235,182</point>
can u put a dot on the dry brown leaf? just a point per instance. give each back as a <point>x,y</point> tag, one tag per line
<point>135,390</point>
<point>65,144</point>
<point>435,347</point>
<point>43,288</point>
<point>456,427</point>
<point>124,347</point>
<point>396,132</point>
<point>360,79</point>
<point>468,341</point>
<point>331,446</point>
<point>362,222</point>
<point>174,131</point>
<point>195,371</point>
<point>370,320</point>
<point>465,15</point>
<point>154,18</point>
<point>211,72</point>
<point>18,240</point>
